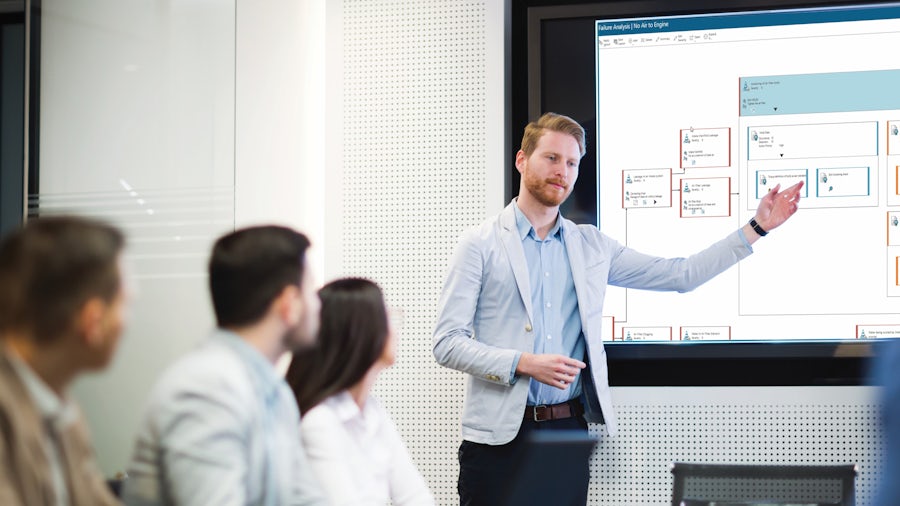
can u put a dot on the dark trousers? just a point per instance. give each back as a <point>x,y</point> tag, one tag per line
<point>487,472</point>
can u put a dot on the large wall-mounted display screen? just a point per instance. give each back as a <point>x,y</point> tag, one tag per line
<point>693,112</point>
<point>699,116</point>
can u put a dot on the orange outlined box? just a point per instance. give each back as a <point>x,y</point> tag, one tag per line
<point>705,197</point>
<point>646,333</point>
<point>705,333</point>
<point>646,188</point>
<point>704,147</point>
<point>877,331</point>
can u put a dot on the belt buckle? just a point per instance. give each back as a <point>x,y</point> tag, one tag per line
<point>535,413</point>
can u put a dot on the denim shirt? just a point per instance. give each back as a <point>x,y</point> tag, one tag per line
<point>221,427</point>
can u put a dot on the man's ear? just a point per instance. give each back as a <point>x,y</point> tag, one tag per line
<point>521,159</point>
<point>289,305</point>
<point>89,321</point>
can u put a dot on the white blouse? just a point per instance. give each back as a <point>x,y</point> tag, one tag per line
<point>358,456</point>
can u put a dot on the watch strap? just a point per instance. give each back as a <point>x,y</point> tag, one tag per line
<point>759,230</point>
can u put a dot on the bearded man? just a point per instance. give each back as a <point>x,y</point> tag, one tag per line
<point>522,306</point>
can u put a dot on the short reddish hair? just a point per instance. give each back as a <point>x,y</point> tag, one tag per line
<point>556,123</point>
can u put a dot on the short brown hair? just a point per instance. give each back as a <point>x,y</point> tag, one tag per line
<point>50,268</point>
<point>556,123</point>
<point>249,267</point>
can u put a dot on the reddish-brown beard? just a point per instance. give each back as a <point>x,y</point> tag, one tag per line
<point>538,190</point>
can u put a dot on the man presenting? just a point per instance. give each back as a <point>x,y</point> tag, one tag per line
<point>522,306</point>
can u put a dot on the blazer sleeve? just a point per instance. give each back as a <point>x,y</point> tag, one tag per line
<point>90,485</point>
<point>190,449</point>
<point>203,457</point>
<point>632,269</point>
<point>454,343</point>
<point>8,495</point>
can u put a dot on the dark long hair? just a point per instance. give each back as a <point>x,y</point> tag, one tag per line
<point>352,336</point>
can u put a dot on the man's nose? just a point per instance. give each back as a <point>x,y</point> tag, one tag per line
<point>559,169</point>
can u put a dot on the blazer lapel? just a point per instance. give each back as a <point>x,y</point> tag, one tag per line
<point>513,244</point>
<point>26,450</point>
<point>574,250</point>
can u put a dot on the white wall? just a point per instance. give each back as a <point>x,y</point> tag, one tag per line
<point>178,121</point>
<point>280,160</point>
<point>415,125</point>
<point>137,127</point>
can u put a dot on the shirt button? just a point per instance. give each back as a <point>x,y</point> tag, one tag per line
<point>548,304</point>
<point>549,336</point>
<point>547,274</point>
<point>527,327</point>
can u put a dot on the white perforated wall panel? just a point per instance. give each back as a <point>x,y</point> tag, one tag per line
<point>414,157</point>
<point>416,137</point>
<point>773,425</point>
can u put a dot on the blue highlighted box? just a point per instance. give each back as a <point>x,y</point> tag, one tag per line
<point>768,179</point>
<point>843,182</point>
<point>873,90</point>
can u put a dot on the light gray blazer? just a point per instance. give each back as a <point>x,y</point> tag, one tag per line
<point>485,314</point>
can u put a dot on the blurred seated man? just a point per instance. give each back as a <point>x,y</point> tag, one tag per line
<point>221,425</point>
<point>62,301</point>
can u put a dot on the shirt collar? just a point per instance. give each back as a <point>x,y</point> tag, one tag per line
<point>524,226</point>
<point>262,371</point>
<point>61,412</point>
<point>344,406</point>
<point>347,411</point>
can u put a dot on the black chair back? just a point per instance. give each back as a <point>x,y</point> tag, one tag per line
<point>740,485</point>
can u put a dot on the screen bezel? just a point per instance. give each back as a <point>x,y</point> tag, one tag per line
<point>741,363</point>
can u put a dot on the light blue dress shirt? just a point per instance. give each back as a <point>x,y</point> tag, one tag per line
<point>221,427</point>
<point>557,325</point>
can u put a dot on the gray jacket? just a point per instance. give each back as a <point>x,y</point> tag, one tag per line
<point>485,314</point>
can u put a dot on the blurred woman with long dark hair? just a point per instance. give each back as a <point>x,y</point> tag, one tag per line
<point>351,442</point>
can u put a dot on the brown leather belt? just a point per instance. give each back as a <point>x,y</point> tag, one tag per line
<point>560,411</point>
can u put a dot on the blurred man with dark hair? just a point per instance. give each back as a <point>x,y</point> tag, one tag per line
<point>221,425</point>
<point>62,306</point>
